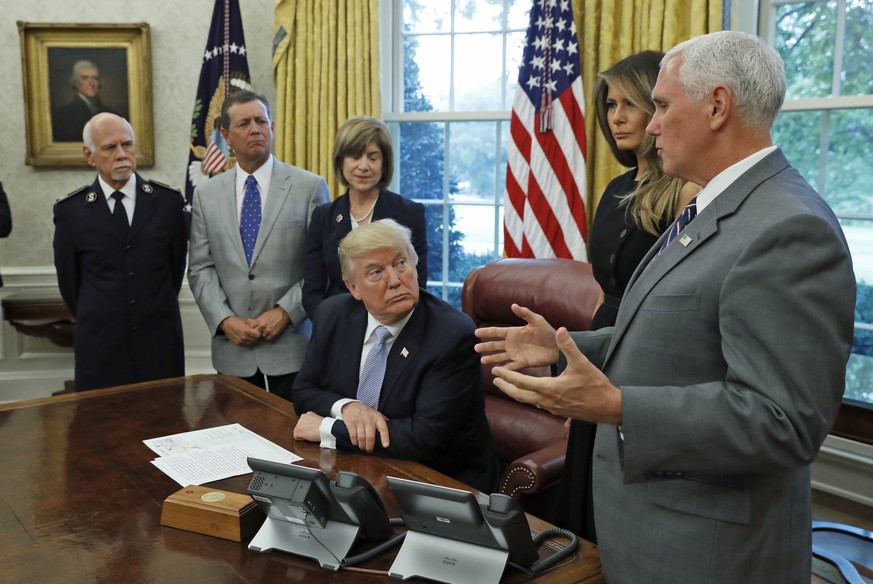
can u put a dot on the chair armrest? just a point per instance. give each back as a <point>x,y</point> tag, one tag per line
<point>534,472</point>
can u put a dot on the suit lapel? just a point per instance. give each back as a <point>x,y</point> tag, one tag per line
<point>280,191</point>
<point>145,206</point>
<point>225,191</point>
<point>98,211</point>
<point>652,269</point>
<point>404,350</point>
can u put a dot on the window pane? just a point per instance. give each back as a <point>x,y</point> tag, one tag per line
<point>859,373</point>
<point>805,37</point>
<point>858,48</point>
<point>478,15</point>
<point>476,223</point>
<point>434,215</point>
<point>426,73</point>
<point>848,180</point>
<point>429,16</point>
<point>472,166</point>
<point>519,14</point>
<point>514,53</point>
<point>797,133</point>
<point>478,72</point>
<point>419,156</point>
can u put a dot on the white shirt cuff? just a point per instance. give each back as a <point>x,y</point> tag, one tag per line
<point>336,410</point>
<point>324,431</point>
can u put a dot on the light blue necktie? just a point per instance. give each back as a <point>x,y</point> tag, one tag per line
<point>373,373</point>
<point>688,214</point>
<point>250,217</point>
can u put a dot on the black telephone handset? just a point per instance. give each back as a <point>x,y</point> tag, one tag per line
<point>510,528</point>
<point>362,504</point>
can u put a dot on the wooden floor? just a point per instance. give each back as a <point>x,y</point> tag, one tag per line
<point>827,507</point>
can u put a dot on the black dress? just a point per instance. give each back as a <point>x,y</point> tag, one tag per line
<point>615,248</point>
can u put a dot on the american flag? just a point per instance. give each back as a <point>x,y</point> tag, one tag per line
<point>544,207</point>
<point>225,69</point>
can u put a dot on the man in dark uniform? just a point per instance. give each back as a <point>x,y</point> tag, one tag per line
<point>69,119</point>
<point>120,247</point>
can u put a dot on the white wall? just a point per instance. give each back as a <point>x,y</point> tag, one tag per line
<point>31,367</point>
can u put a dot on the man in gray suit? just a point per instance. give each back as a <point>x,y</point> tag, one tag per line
<point>245,264</point>
<point>726,366</point>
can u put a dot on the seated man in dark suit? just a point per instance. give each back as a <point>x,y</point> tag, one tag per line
<point>414,395</point>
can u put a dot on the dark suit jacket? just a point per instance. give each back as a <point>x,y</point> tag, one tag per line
<point>5,217</point>
<point>432,396</point>
<point>730,349</point>
<point>123,292</point>
<point>69,120</point>
<point>331,222</point>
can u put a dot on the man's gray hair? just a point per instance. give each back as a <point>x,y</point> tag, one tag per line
<point>749,67</point>
<point>78,66</point>
<point>88,130</point>
<point>366,239</point>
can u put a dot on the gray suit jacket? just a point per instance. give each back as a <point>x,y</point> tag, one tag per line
<point>224,285</point>
<point>731,355</point>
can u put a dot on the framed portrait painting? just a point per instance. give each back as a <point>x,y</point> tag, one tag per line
<point>74,71</point>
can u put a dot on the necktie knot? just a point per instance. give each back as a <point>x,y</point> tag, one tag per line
<point>688,214</point>
<point>250,217</point>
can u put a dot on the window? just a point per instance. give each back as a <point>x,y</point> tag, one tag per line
<point>453,69</point>
<point>826,130</point>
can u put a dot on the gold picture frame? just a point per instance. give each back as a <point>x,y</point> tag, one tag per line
<point>55,111</point>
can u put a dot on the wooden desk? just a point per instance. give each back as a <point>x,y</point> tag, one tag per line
<point>81,501</point>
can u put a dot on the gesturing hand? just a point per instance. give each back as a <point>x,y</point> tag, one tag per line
<point>581,391</point>
<point>518,347</point>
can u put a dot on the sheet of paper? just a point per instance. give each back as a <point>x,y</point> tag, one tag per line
<point>211,454</point>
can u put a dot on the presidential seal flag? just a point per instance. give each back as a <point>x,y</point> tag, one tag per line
<point>225,70</point>
<point>544,206</point>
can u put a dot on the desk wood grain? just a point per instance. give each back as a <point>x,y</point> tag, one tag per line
<point>81,501</point>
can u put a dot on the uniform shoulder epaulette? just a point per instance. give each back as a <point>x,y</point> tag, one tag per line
<point>72,194</point>
<point>163,185</point>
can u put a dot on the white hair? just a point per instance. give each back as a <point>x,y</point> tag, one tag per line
<point>749,67</point>
<point>88,130</point>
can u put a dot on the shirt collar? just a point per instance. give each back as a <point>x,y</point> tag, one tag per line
<point>728,176</point>
<point>394,329</point>
<point>129,189</point>
<point>262,175</point>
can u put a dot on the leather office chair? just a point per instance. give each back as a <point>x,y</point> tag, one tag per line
<point>530,443</point>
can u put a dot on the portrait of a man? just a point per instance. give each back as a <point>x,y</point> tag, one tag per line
<point>85,82</point>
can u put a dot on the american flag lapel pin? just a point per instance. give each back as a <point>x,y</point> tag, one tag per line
<point>404,353</point>
<point>685,240</point>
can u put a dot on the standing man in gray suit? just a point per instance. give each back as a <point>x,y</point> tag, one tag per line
<point>248,230</point>
<point>726,366</point>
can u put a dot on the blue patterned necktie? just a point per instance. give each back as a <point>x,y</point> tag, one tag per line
<point>684,219</point>
<point>373,372</point>
<point>250,217</point>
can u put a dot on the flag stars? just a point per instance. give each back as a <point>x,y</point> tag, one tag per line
<point>568,68</point>
<point>234,48</point>
<point>565,5</point>
<point>559,45</point>
<point>572,48</point>
<point>561,24</point>
<point>538,63</point>
<point>533,82</point>
<point>556,65</point>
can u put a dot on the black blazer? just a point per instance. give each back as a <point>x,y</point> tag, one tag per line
<point>123,292</point>
<point>5,217</point>
<point>431,395</point>
<point>331,222</point>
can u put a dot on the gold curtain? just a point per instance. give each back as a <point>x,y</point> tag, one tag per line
<point>326,69</point>
<point>609,31</point>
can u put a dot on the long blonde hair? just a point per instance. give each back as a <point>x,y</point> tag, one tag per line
<point>653,203</point>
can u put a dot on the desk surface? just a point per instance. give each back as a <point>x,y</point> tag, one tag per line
<point>81,501</point>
